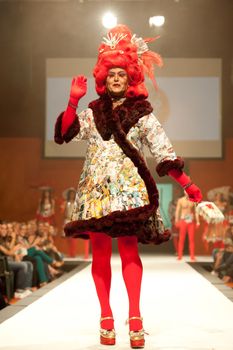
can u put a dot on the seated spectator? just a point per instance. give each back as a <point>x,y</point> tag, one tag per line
<point>47,242</point>
<point>45,264</point>
<point>223,258</point>
<point>35,231</point>
<point>31,254</point>
<point>22,270</point>
<point>2,300</point>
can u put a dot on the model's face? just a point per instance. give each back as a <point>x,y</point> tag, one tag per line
<point>72,195</point>
<point>46,194</point>
<point>9,229</point>
<point>3,231</point>
<point>23,230</point>
<point>117,82</point>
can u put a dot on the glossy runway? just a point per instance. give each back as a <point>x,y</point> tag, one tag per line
<point>181,309</point>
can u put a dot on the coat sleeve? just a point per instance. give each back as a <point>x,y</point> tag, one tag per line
<point>78,130</point>
<point>154,137</point>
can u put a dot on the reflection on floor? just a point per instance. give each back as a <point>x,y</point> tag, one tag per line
<point>182,310</point>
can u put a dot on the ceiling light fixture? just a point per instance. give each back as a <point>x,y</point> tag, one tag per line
<point>156,21</point>
<point>109,20</point>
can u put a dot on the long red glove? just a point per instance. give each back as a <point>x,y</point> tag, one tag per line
<point>192,190</point>
<point>78,90</point>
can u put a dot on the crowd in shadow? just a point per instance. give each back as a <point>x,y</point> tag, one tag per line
<point>28,251</point>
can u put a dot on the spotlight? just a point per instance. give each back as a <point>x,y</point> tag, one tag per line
<point>109,20</point>
<point>157,21</point>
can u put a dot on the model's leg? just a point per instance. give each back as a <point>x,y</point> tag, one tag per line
<point>175,239</point>
<point>20,270</point>
<point>35,252</point>
<point>182,234</point>
<point>101,272</point>
<point>29,274</point>
<point>205,237</point>
<point>34,272</point>
<point>132,274</point>
<point>40,267</point>
<point>86,248</point>
<point>191,232</point>
<point>72,243</point>
<point>217,255</point>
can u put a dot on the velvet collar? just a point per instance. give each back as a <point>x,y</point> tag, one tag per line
<point>127,114</point>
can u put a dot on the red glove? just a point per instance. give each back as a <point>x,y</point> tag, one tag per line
<point>192,190</point>
<point>78,90</point>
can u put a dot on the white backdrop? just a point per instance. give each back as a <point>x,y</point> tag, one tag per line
<point>188,104</point>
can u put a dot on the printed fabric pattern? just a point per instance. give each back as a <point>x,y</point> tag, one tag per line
<point>109,180</point>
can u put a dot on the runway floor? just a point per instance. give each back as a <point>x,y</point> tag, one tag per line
<point>182,310</point>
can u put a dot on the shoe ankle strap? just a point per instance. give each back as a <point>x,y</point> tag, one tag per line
<point>133,318</point>
<point>106,318</point>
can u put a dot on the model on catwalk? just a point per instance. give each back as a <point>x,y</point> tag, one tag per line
<point>117,196</point>
<point>186,219</point>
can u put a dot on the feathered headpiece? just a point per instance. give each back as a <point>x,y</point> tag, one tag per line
<point>121,49</point>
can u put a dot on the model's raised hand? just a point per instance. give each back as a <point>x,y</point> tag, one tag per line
<point>77,91</point>
<point>78,88</point>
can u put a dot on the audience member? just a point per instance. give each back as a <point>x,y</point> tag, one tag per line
<point>26,246</point>
<point>2,300</point>
<point>22,269</point>
<point>223,258</point>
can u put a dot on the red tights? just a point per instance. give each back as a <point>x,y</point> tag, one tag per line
<point>131,270</point>
<point>184,227</point>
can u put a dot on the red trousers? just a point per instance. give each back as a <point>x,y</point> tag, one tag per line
<point>185,227</point>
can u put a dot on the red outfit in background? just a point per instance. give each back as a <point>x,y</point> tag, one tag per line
<point>186,220</point>
<point>186,227</point>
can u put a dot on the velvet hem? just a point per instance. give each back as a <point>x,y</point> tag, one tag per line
<point>57,130</point>
<point>118,230</point>
<point>72,131</point>
<point>164,167</point>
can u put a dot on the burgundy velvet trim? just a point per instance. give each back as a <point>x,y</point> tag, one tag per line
<point>57,130</point>
<point>138,229</point>
<point>72,131</point>
<point>126,115</point>
<point>118,122</point>
<point>164,167</point>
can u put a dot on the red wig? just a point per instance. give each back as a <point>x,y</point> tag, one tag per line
<point>119,51</point>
